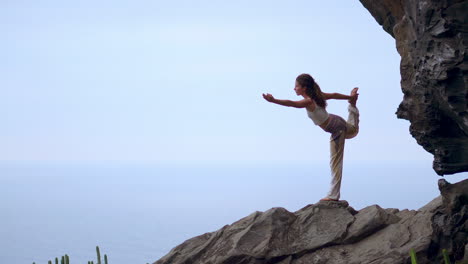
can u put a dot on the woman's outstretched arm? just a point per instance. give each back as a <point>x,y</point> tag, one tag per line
<point>297,104</point>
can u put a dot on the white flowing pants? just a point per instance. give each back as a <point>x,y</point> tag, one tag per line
<point>340,130</point>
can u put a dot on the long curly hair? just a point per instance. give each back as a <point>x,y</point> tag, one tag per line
<point>312,89</point>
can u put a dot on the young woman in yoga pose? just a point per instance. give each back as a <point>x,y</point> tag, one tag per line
<point>315,102</point>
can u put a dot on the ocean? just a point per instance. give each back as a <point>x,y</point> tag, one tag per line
<point>137,212</point>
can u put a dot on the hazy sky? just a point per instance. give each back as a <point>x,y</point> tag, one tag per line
<point>181,81</point>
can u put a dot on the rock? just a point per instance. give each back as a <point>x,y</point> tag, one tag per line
<point>318,226</point>
<point>451,221</point>
<point>368,221</point>
<point>431,38</point>
<point>392,210</point>
<point>388,245</point>
<point>433,205</point>
<point>267,236</point>
<point>454,196</point>
<point>328,231</point>
<point>466,253</point>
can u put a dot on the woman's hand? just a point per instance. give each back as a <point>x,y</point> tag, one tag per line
<point>269,97</point>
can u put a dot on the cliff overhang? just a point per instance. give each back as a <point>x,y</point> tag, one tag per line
<point>431,37</point>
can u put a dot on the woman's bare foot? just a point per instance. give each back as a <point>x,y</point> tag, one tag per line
<point>328,199</point>
<point>354,96</point>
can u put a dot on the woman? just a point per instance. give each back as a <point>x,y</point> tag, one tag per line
<point>315,102</point>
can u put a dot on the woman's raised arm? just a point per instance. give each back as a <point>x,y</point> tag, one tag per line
<point>337,96</point>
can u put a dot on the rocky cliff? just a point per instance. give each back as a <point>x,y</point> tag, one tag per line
<point>431,38</point>
<point>335,233</point>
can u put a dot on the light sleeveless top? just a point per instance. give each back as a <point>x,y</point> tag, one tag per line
<point>319,115</point>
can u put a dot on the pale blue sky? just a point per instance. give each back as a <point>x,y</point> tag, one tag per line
<point>181,81</point>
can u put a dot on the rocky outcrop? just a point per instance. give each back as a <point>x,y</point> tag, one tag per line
<point>432,38</point>
<point>335,233</point>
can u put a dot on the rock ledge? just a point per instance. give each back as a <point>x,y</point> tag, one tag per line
<point>333,232</point>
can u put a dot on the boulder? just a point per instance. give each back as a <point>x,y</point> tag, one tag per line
<point>368,221</point>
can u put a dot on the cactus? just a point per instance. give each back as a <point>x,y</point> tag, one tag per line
<point>66,259</point>
<point>413,257</point>
<point>98,255</point>
<point>446,257</point>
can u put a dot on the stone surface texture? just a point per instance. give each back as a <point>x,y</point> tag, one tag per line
<point>333,232</point>
<point>432,38</point>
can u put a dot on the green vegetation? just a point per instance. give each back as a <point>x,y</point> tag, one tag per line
<point>444,254</point>
<point>446,257</point>
<point>413,257</point>
<point>66,259</point>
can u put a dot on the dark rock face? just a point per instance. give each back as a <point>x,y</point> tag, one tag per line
<point>451,222</point>
<point>333,232</point>
<point>432,38</point>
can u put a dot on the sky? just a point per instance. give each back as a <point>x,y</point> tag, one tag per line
<point>181,81</point>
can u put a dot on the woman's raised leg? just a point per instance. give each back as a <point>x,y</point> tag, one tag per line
<point>352,124</point>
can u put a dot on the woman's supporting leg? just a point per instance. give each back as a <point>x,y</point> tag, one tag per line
<point>337,143</point>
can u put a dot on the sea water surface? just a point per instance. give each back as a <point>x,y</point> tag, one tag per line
<point>136,213</point>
